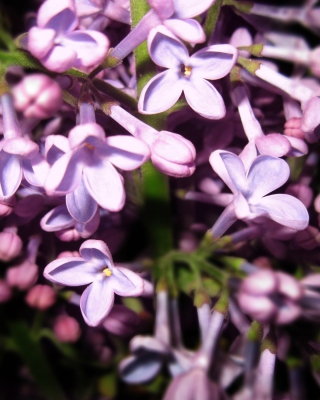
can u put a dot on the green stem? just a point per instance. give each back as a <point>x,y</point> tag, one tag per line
<point>157,212</point>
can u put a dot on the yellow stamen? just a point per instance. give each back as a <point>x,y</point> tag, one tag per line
<point>90,147</point>
<point>107,272</point>
<point>187,71</point>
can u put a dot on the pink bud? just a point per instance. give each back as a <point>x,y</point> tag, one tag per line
<point>41,297</point>
<point>68,235</point>
<point>292,128</point>
<point>37,96</point>
<point>22,276</point>
<point>5,291</point>
<point>66,329</point>
<point>10,246</point>
<point>65,254</point>
<point>173,155</point>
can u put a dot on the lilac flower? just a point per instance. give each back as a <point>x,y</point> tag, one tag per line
<point>56,43</point>
<point>95,267</point>
<point>185,74</point>
<point>19,156</point>
<point>90,161</point>
<point>106,8</point>
<point>250,182</point>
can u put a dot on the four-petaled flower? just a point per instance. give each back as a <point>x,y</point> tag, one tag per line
<point>185,74</point>
<point>95,266</point>
<point>250,186</point>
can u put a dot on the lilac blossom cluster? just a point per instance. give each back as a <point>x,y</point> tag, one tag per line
<point>167,136</point>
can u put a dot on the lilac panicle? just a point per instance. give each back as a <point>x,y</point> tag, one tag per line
<point>95,267</point>
<point>185,74</point>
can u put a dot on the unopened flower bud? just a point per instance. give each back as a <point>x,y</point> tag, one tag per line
<point>292,128</point>
<point>41,297</point>
<point>22,276</point>
<point>66,329</point>
<point>68,235</point>
<point>173,155</point>
<point>37,96</point>
<point>10,246</point>
<point>270,296</point>
<point>5,291</point>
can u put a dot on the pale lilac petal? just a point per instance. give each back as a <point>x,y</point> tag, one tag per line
<point>87,8</point>
<point>80,204</point>
<point>298,147</point>
<point>236,171</point>
<point>190,8</point>
<point>105,186</point>
<point>36,170</point>
<point>91,47</point>
<point>219,167</point>
<point>59,59</point>
<point>126,152</point>
<point>241,37</point>
<point>88,229</point>
<point>274,145</point>
<point>10,173</point>
<point>96,301</point>
<point>284,209</point>
<point>55,147</point>
<point>160,93</point>
<point>70,271</point>
<point>265,175</point>
<point>165,49</point>
<point>58,15</point>
<point>96,250</point>
<point>40,41</point>
<point>89,132</point>
<point>241,207</point>
<point>173,169</point>
<point>21,147</point>
<point>188,30</point>
<point>141,368</point>
<point>214,62</point>
<point>126,282</point>
<point>248,154</point>
<point>204,98</point>
<point>57,219</point>
<point>65,174</point>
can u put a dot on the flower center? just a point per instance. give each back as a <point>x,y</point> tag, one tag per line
<point>107,272</point>
<point>186,71</point>
<point>89,146</point>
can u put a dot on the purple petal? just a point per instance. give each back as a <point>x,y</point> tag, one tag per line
<point>71,271</point>
<point>214,62</point>
<point>59,59</point>
<point>59,16</point>
<point>160,93</point>
<point>265,175</point>
<point>204,98</point>
<point>166,50</point>
<point>284,209</point>
<point>40,41</point>
<point>298,147</point>
<point>188,30</point>
<point>57,219</point>
<point>236,171</point>
<point>96,301</point>
<point>88,229</point>
<point>274,145</point>
<point>96,250</point>
<point>105,186</point>
<point>126,152</point>
<point>56,146</point>
<point>80,204</point>
<point>36,170</point>
<point>20,146</point>
<point>65,174</point>
<point>126,282</point>
<point>10,173</point>
<point>141,368</point>
<point>164,8</point>
<point>219,167</point>
<point>89,132</point>
<point>190,8</point>
<point>91,47</point>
